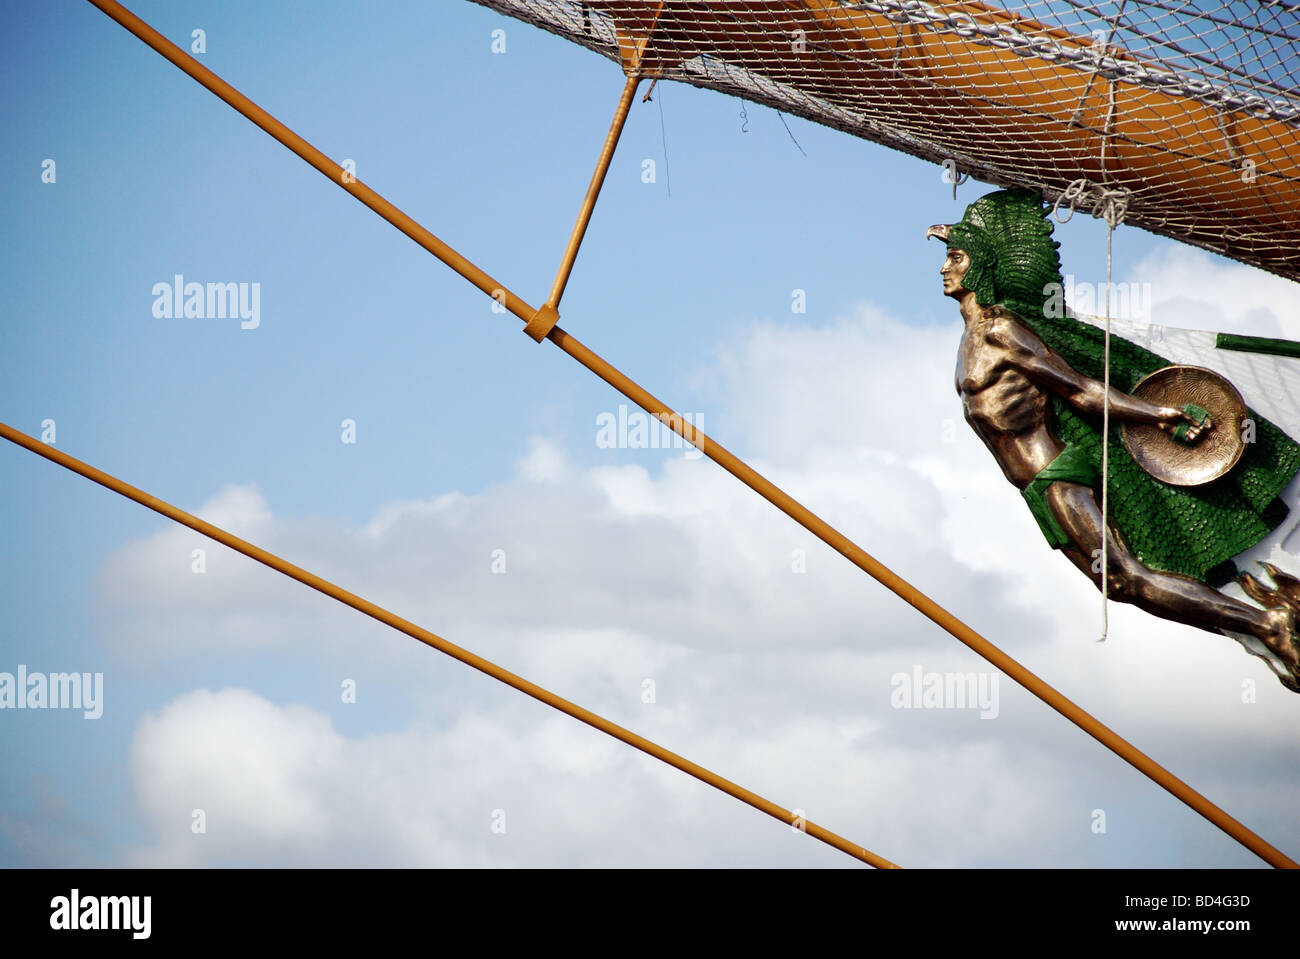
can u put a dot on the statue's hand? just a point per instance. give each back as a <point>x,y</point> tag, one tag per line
<point>1184,426</point>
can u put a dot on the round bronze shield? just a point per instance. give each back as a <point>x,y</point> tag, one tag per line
<point>1214,452</point>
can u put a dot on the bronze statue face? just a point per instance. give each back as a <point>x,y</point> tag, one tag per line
<point>954,268</point>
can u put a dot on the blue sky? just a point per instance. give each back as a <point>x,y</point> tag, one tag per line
<point>688,293</point>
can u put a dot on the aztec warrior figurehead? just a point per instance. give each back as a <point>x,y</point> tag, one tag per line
<point>1030,384</point>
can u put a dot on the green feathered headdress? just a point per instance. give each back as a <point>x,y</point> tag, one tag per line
<point>1014,260</point>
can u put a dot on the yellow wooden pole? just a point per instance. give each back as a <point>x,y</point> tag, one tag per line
<point>593,191</point>
<point>442,645</point>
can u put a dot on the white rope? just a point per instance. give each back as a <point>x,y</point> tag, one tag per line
<point>1113,204</point>
<point>1110,205</point>
<point>1105,452</point>
<point>1116,203</point>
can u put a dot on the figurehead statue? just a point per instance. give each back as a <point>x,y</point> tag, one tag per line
<point>1030,378</point>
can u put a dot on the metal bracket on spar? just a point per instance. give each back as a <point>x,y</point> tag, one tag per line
<point>542,323</point>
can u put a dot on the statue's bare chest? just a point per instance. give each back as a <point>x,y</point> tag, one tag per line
<point>981,359</point>
<point>996,396</point>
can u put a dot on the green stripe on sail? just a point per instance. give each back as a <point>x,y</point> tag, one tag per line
<point>1257,344</point>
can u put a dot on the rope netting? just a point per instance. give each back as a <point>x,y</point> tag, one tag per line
<point>1193,108</point>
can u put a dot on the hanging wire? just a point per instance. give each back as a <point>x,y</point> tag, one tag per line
<point>791,135</point>
<point>663,139</point>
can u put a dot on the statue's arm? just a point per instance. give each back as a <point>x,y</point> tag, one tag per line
<point>1049,371</point>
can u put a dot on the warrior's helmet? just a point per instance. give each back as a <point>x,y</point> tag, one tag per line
<point>1013,258</point>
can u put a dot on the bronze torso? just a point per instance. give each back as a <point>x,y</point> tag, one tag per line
<point>1006,410</point>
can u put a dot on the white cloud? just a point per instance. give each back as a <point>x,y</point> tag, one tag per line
<point>278,785</point>
<point>1193,290</point>
<point>779,680</point>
